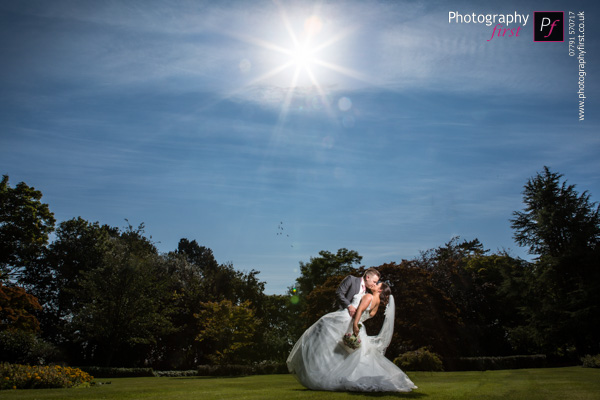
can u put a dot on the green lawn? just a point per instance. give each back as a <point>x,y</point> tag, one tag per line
<point>527,384</point>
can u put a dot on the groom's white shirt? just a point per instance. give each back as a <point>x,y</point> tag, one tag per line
<point>363,287</point>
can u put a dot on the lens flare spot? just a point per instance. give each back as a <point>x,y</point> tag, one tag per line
<point>313,25</point>
<point>344,104</point>
<point>294,299</point>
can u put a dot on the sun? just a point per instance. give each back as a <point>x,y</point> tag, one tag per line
<point>302,57</point>
<point>298,50</point>
<point>303,53</point>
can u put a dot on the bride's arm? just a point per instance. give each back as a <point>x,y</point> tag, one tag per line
<point>364,303</point>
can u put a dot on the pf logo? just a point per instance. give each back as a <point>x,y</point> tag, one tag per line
<point>548,26</point>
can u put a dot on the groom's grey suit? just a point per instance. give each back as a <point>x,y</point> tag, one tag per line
<point>347,289</point>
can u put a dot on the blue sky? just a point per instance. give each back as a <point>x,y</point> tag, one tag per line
<point>377,126</point>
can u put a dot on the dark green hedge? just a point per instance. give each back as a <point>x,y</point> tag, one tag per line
<point>110,372</point>
<point>202,370</point>
<point>239,370</point>
<point>493,363</point>
<point>176,374</point>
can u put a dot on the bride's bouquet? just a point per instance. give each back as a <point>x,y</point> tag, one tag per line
<point>351,340</point>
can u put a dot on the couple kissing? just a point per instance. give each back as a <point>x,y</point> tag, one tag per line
<point>323,360</point>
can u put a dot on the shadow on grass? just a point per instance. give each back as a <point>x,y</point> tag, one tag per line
<point>208,377</point>
<point>409,395</point>
<point>400,395</point>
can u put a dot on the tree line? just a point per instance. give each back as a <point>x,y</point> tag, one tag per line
<point>100,295</point>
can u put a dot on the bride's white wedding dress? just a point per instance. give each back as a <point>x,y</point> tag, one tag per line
<point>320,360</point>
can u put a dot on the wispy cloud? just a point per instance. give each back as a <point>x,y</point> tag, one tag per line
<point>185,115</point>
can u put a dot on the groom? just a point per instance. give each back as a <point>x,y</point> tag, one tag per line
<point>352,285</point>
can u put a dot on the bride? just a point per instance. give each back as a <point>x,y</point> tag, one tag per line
<point>321,361</point>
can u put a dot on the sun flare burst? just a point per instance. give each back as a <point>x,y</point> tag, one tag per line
<point>301,59</point>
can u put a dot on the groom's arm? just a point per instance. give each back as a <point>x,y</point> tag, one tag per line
<point>342,290</point>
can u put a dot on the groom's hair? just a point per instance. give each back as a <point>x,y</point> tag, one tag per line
<point>372,271</point>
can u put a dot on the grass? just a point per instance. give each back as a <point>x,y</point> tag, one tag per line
<point>527,384</point>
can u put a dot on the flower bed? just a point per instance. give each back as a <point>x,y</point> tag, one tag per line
<point>17,376</point>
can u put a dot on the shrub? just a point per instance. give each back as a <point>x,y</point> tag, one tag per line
<point>17,376</point>
<point>495,363</point>
<point>591,361</point>
<point>419,360</point>
<point>20,347</point>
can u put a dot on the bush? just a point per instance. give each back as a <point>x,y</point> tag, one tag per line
<point>110,372</point>
<point>419,360</point>
<point>20,347</point>
<point>495,363</point>
<point>17,376</point>
<point>591,361</point>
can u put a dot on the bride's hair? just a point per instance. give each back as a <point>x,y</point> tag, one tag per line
<point>384,296</point>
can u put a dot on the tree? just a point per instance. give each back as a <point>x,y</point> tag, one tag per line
<point>78,249</point>
<point>17,308</point>
<point>316,272</point>
<point>489,291</point>
<point>229,331</point>
<point>197,278</point>
<point>556,221</point>
<point>425,316</point>
<point>220,281</point>
<point>446,265</point>
<point>277,338</point>
<point>322,300</point>
<point>499,286</point>
<point>562,228</point>
<point>123,304</point>
<point>178,349</point>
<point>25,223</point>
<point>202,257</point>
<point>19,328</point>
